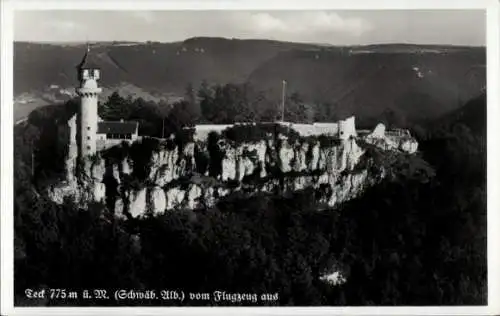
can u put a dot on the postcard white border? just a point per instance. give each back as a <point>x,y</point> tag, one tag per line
<point>493,128</point>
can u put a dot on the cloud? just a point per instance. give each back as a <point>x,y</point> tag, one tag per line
<point>464,27</point>
<point>265,22</point>
<point>64,25</point>
<point>145,16</point>
<point>308,22</point>
<point>324,21</point>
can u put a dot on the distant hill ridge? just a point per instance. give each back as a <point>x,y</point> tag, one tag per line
<point>416,80</point>
<point>212,39</point>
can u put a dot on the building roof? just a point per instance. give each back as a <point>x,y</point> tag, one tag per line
<point>109,127</point>
<point>89,61</point>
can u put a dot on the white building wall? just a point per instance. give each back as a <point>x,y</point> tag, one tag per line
<point>103,143</point>
<point>331,129</point>
<point>347,128</point>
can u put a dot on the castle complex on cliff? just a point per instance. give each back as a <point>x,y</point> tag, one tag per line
<point>188,175</point>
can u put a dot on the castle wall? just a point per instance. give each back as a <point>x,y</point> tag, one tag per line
<point>316,129</point>
<point>347,128</point>
<point>331,129</point>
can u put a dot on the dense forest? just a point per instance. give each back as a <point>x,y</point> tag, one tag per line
<point>407,241</point>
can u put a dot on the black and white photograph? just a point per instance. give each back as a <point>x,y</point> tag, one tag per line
<point>243,158</point>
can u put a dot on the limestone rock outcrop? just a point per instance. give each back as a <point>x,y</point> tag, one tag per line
<point>196,174</point>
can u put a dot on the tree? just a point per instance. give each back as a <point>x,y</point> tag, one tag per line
<point>116,108</point>
<point>192,103</point>
<point>181,115</point>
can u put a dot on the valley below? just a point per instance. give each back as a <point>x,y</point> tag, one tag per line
<point>416,81</point>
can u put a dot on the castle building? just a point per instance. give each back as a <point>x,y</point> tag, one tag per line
<point>89,133</point>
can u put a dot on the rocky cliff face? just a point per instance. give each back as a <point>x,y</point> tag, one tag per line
<point>154,176</point>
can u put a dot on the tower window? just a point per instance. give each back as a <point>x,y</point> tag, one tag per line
<point>88,147</point>
<point>88,137</point>
<point>88,128</point>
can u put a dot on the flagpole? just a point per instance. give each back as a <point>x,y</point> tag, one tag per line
<point>283,102</point>
<point>163,128</point>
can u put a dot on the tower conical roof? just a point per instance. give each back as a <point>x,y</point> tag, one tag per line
<point>89,61</point>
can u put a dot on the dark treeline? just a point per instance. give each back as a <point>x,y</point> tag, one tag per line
<point>409,241</point>
<point>226,104</point>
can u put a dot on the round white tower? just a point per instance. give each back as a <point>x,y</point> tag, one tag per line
<point>88,75</point>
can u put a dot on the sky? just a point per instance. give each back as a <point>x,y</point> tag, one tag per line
<point>456,27</point>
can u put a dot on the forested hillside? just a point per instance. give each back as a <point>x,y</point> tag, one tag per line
<point>417,81</point>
